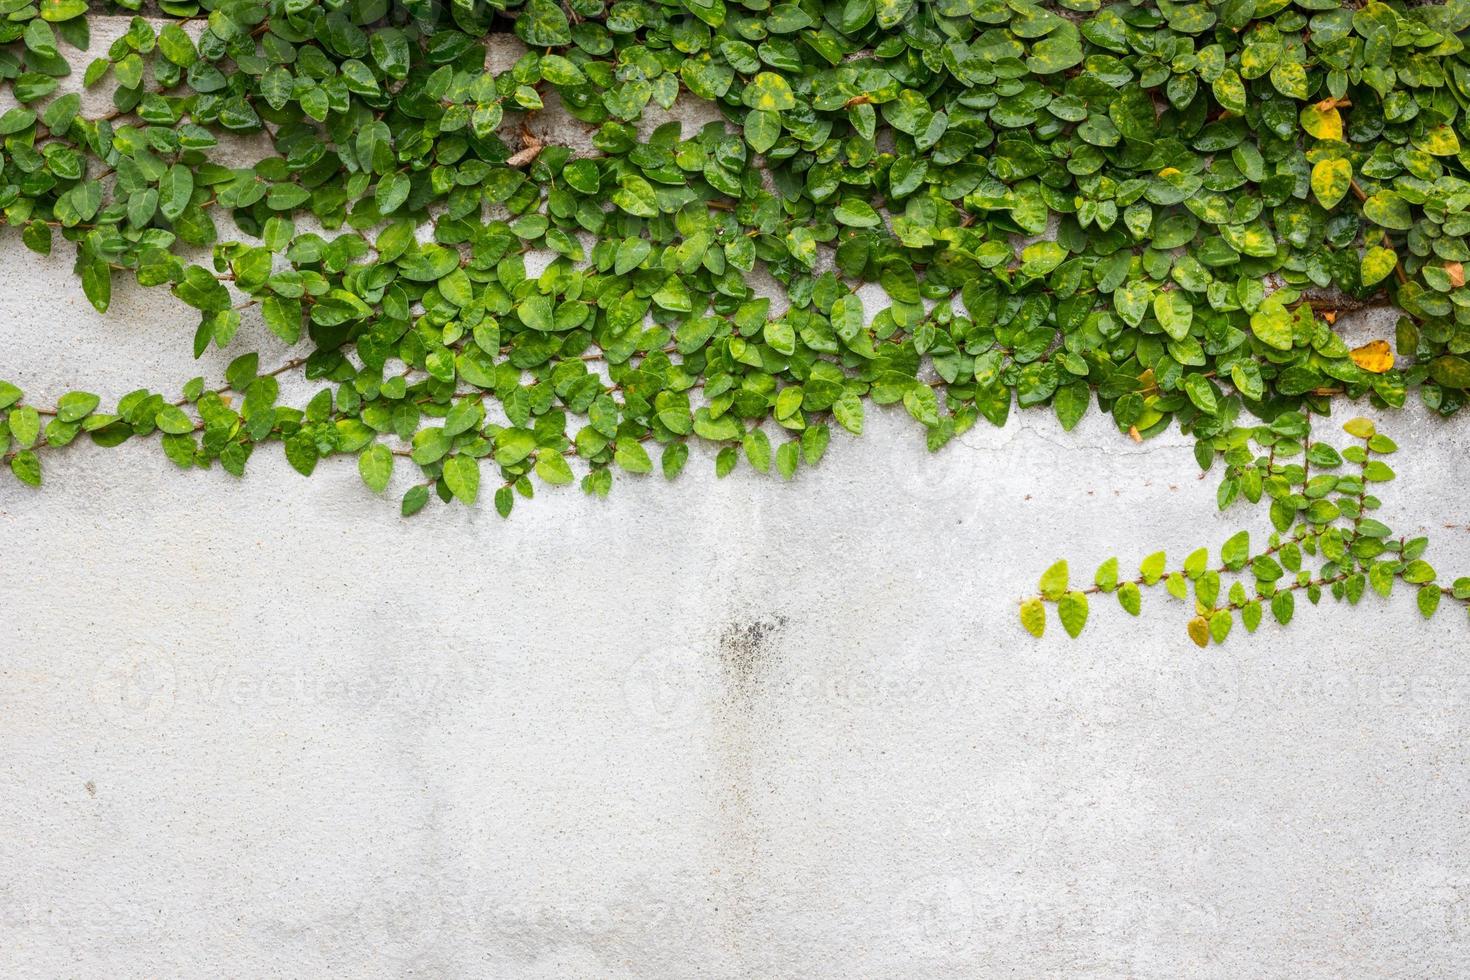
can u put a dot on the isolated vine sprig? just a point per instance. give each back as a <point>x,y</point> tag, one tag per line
<point>1315,518</point>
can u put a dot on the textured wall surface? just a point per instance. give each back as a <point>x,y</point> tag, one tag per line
<point>711,728</point>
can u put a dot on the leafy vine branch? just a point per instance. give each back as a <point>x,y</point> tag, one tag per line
<point>1322,517</point>
<point>1156,209</point>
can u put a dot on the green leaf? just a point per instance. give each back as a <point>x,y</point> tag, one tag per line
<point>856,213</point>
<point>1054,581</point>
<point>769,92</point>
<point>1376,264</point>
<point>1130,598</point>
<point>1386,208</point>
<point>893,12</point>
<point>1132,301</point>
<point>462,476</point>
<point>1428,600</point>
<point>762,129</point>
<point>1220,623</point>
<point>1070,403</point>
<point>848,410</point>
<point>1451,371</point>
<point>542,24</point>
<point>96,282</point>
<point>302,453</point>
<point>1236,551</point>
<point>173,420</point>
<point>175,191</point>
<point>631,456</point>
<point>1175,313</point>
<point>76,405</point>
<point>1072,610</point>
<point>1152,568</point>
<point>1283,606</point>
<point>201,290</point>
<point>375,466</point>
<point>1199,390</point>
<point>26,466</point>
<point>1272,325</point>
<point>552,468</point>
<point>1177,585</point>
<point>414,500</point>
<point>788,458</point>
<point>513,445</point>
<point>757,447</point>
<point>62,10</point>
<point>25,425</point>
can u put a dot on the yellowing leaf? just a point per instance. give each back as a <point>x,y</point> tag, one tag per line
<point>1323,121</point>
<point>1033,617</point>
<point>1376,264</point>
<point>1375,357</point>
<point>1290,79</point>
<point>1440,141</point>
<point>1199,631</point>
<point>1331,180</point>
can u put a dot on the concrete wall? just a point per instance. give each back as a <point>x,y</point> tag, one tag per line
<point>712,728</point>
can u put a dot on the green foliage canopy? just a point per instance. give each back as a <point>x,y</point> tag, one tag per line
<point>1153,208</point>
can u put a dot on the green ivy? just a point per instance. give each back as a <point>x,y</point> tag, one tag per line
<point>1154,208</point>
<point>1317,515</point>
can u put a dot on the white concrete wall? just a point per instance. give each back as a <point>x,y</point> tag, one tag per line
<point>719,728</point>
<point>712,728</point>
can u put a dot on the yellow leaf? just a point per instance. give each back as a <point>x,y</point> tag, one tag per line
<point>1322,120</point>
<point>1375,357</point>
<point>1199,631</point>
<point>1033,617</point>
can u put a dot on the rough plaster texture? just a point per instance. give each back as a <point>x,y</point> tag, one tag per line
<point>724,729</point>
